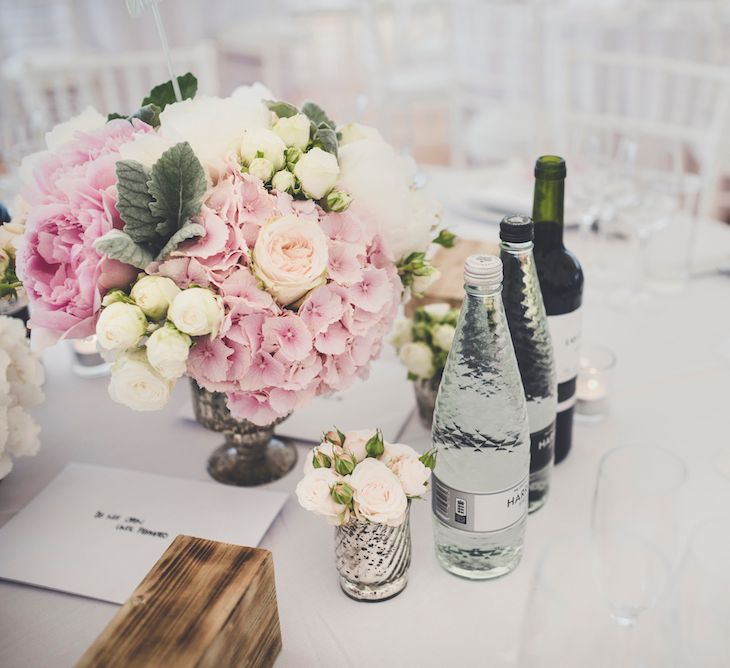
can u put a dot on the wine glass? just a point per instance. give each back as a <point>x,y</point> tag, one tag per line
<point>635,533</point>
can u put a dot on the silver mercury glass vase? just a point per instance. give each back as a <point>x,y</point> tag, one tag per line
<point>251,455</point>
<point>373,559</point>
<point>426,390</point>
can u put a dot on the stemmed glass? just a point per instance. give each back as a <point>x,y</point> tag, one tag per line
<point>635,533</point>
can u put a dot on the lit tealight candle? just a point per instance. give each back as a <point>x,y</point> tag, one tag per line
<point>593,383</point>
<point>88,363</point>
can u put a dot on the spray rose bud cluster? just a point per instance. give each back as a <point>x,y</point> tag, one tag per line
<point>148,332</point>
<point>357,474</point>
<point>423,342</point>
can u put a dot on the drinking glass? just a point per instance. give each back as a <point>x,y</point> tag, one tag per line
<point>635,533</point>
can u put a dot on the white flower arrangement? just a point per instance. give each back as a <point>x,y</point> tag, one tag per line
<point>357,475</point>
<point>21,378</point>
<point>423,342</point>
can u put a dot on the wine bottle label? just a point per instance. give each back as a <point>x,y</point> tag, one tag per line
<point>542,444</point>
<point>480,512</point>
<point>565,333</point>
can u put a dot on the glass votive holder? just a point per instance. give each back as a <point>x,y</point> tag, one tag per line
<point>594,383</point>
<point>87,360</point>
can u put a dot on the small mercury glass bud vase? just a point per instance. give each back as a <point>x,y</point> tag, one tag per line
<point>373,559</point>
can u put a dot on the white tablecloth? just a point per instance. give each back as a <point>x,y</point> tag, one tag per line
<point>671,389</point>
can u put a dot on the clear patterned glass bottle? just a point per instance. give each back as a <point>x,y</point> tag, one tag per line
<point>480,430</point>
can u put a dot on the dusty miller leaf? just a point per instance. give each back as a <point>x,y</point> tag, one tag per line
<point>326,138</point>
<point>134,201</point>
<point>186,232</point>
<point>317,115</point>
<point>120,246</point>
<point>281,109</point>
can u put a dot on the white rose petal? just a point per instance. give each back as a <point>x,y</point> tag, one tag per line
<point>437,311</point>
<point>262,143</point>
<point>377,493</point>
<point>261,168</point>
<point>120,326</point>
<point>135,383</point>
<point>283,181</point>
<point>294,131</point>
<point>402,332</point>
<point>167,352</point>
<point>197,311</point>
<point>356,440</point>
<point>443,336</point>
<point>418,359</point>
<point>317,171</point>
<point>313,493</point>
<point>154,294</point>
<point>412,473</point>
<point>290,257</point>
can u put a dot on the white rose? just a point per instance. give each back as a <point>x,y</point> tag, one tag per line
<point>355,132</point>
<point>438,311</point>
<point>378,495</point>
<point>294,131</point>
<point>87,121</point>
<point>135,384</point>
<point>261,168</point>
<point>313,493</point>
<point>418,359</point>
<point>197,311</point>
<point>317,171</point>
<point>283,181</point>
<point>402,332</point>
<point>167,352</point>
<point>262,143</point>
<point>154,294</point>
<point>443,336</point>
<point>422,283</point>
<point>120,326</point>
<point>290,257</point>
<point>356,440</point>
<point>412,473</point>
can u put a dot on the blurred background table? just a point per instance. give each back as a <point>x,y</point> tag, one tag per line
<point>670,390</point>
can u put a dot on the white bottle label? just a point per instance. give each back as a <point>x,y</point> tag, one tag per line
<point>565,333</point>
<point>480,512</point>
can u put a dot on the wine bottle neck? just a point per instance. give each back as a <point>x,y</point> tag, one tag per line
<point>547,212</point>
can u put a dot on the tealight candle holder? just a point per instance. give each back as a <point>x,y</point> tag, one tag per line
<point>87,361</point>
<point>594,383</point>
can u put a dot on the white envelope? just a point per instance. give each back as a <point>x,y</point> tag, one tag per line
<point>97,531</point>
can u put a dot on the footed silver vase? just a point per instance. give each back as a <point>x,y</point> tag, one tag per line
<point>251,455</point>
<point>373,559</point>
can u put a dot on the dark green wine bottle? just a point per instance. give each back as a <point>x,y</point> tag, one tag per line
<point>561,281</point>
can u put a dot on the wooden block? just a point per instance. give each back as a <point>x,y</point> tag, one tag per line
<point>204,604</point>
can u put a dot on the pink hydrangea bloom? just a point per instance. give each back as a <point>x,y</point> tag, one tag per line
<point>271,359</point>
<point>72,202</point>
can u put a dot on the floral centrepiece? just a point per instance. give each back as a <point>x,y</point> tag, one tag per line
<point>21,378</point>
<point>254,246</point>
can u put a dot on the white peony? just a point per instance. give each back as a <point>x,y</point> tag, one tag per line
<point>443,336</point>
<point>294,131</point>
<point>261,168</point>
<point>380,182</point>
<point>22,433</point>
<point>438,311</point>
<point>356,440</point>
<point>120,326</point>
<point>262,143</point>
<point>283,181</point>
<point>402,332</point>
<point>146,148</point>
<point>422,283</point>
<point>317,171</point>
<point>418,359</point>
<point>167,352</point>
<point>135,383</point>
<point>154,294</point>
<point>353,132</point>
<point>87,121</point>
<point>378,495</point>
<point>290,257</point>
<point>412,473</point>
<point>313,493</point>
<point>197,311</point>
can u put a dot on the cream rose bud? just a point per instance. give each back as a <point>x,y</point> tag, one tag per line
<point>135,384</point>
<point>412,473</point>
<point>283,181</point>
<point>290,257</point>
<point>294,131</point>
<point>154,294</point>
<point>325,448</point>
<point>443,336</point>
<point>262,143</point>
<point>418,359</point>
<point>355,442</point>
<point>314,494</point>
<point>261,168</point>
<point>317,171</point>
<point>120,326</point>
<point>167,352</point>
<point>438,311</point>
<point>422,283</point>
<point>378,495</point>
<point>402,333</point>
<point>197,311</point>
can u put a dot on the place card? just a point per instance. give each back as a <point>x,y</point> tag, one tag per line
<point>96,531</point>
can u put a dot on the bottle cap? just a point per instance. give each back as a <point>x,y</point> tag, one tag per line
<point>550,168</point>
<point>516,229</point>
<point>483,270</point>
